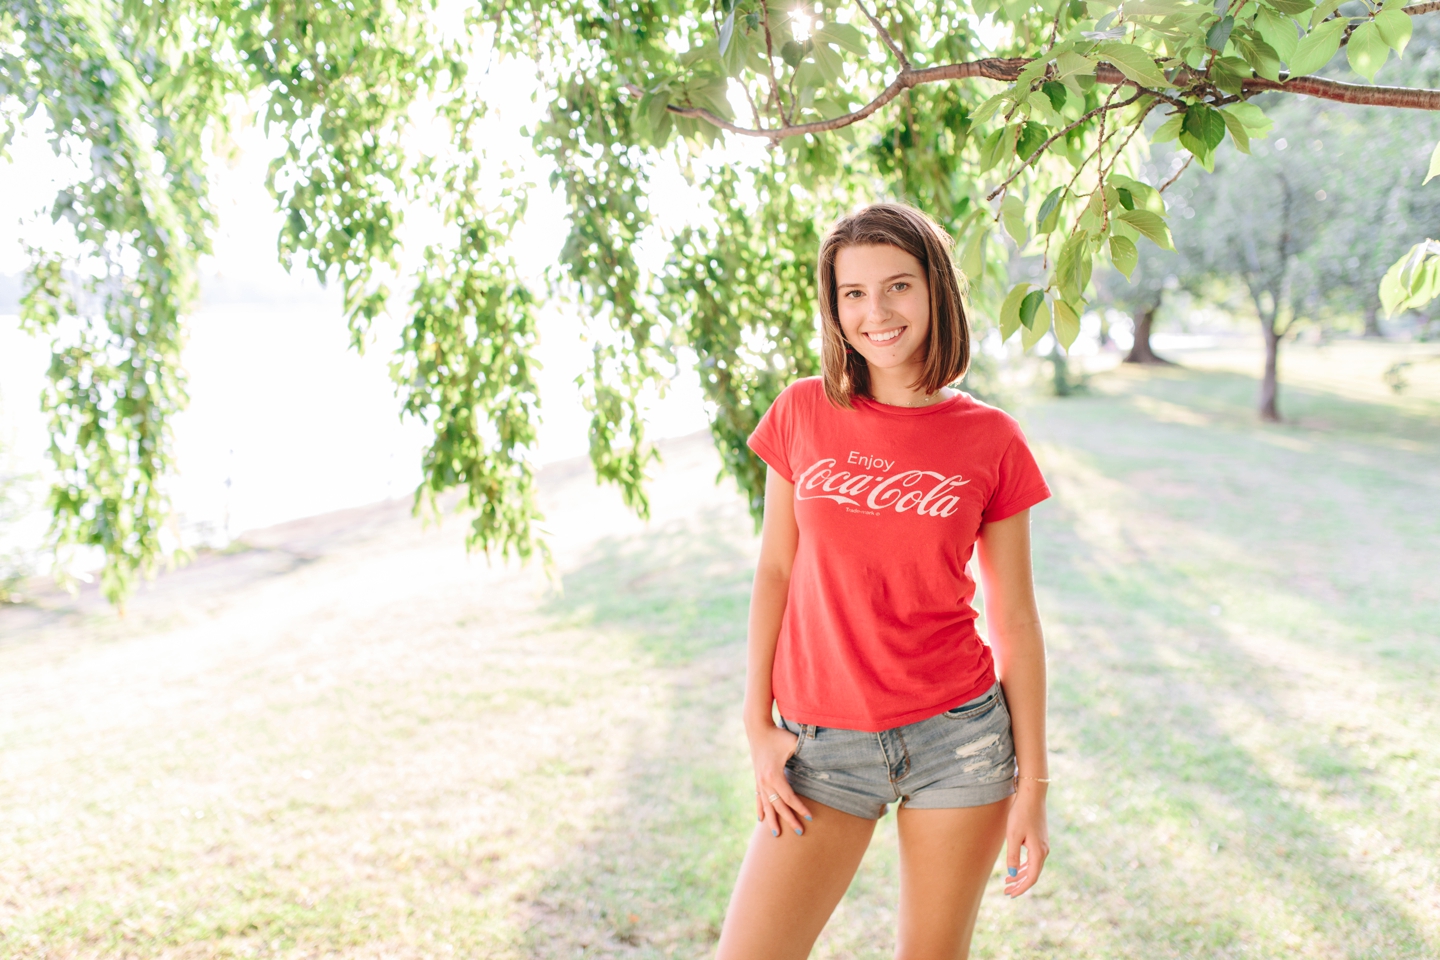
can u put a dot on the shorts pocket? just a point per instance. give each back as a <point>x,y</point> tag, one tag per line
<point>979,707</point>
<point>799,731</point>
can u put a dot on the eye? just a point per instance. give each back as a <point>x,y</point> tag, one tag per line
<point>852,294</point>
<point>901,287</point>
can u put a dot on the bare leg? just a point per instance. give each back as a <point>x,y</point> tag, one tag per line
<point>789,886</point>
<point>945,859</point>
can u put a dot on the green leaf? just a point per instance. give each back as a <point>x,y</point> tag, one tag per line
<point>1145,196</point>
<point>1151,225</point>
<point>829,63</point>
<point>1278,31</point>
<point>1071,64</point>
<point>1124,255</point>
<point>1071,267</point>
<point>1057,94</point>
<point>987,109</point>
<point>1032,135</point>
<point>727,30</point>
<point>999,147</point>
<point>1395,29</point>
<point>1413,280</point>
<point>1012,215</point>
<point>1010,311</point>
<point>1230,74</point>
<point>1153,8</point>
<point>1168,130</point>
<point>1434,170</point>
<point>1126,198</point>
<point>1067,324</point>
<point>792,53</point>
<point>1367,51</point>
<point>844,36</point>
<point>1324,10</point>
<point>1261,56</point>
<point>1202,130</point>
<point>1237,130</point>
<point>972,257</point>
<point>1317,47</point>
<point>1046,219</point>
<point>1135,62</point>
<point>1254,119</point>
<point>1219,34</point>
<point>1029,305</point>
<point>1291,8</point>
<point>1040,323</point>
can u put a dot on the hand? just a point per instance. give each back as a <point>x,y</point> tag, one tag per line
<point>770,747</point>
<point>1026,828</point>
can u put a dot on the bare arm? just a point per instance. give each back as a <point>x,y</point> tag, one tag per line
<point>1019,647</point>
<point>771,746</point>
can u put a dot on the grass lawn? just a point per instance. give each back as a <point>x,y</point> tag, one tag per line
<point>351,741</point>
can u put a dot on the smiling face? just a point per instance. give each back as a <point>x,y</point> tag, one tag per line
<point>883,302</point>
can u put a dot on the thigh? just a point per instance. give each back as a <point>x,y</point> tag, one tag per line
<point>789,885</point>
<point>945,861</point>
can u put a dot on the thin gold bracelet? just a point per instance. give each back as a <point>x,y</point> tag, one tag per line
<point>1036,779</point>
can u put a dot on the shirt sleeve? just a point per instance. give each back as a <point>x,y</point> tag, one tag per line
<point>771,439</point>
<point>1019,484</point>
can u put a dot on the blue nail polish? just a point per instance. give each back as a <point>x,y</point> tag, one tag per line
<point>808,817</point>
<point>774,833</point>
<point>799,832</point>
<point>1012,871</point>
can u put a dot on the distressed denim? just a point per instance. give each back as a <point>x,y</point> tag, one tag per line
<point>964,757</point>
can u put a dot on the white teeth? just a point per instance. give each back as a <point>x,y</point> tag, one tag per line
<point>883,337</point>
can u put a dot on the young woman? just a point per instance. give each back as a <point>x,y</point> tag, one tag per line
<point>882,481</point>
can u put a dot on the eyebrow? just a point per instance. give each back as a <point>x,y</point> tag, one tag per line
<point>894,276</point>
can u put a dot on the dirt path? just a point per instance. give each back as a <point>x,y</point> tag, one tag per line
<point>349,738</point>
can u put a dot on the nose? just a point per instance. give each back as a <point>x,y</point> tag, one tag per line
<point>878,310</point>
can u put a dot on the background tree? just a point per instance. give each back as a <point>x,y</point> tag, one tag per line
<point>1306,236</point>
<point>1141,295</point>
<point>1021,115</point>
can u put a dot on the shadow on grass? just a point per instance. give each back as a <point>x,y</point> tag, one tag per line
<point>653,880</point>
<point>679,590</point>
<point>1174,837</point>
<point>1157,756</point>
<point>1232,397</point>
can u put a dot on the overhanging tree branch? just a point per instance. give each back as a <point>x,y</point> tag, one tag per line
<point>1008,70</point>
<point>1409,98</point>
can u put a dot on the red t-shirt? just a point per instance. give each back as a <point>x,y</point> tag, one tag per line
<point>878,628</point>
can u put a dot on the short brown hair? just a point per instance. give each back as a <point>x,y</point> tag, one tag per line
<point>947,348</point>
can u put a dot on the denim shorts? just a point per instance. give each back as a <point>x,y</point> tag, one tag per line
<point>964,757</point>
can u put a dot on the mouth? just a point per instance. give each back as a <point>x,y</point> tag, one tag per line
<point>882,337</point>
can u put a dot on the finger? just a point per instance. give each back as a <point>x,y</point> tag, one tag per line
<point>770,818</point>
<point>787,816</point>
<point>759,806</point>
<point>793,801</point>
<point>1029,873</point>
<point>784,817</point>
<point>1012,854</point>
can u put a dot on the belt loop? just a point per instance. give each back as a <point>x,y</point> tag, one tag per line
<point>809,731</point>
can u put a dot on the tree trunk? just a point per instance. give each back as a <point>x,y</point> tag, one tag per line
<point>1140,351</point>
<point>1372,322</point>
<point>1063,386</point>
<point>1269,387</point>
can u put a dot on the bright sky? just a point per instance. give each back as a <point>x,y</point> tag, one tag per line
<point>285,420</point>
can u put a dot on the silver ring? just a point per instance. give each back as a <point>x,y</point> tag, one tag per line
<point>773,797</point>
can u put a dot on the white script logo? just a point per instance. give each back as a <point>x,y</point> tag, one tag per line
<point>929,493</point>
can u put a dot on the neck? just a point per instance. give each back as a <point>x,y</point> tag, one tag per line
<point>895,386</point>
